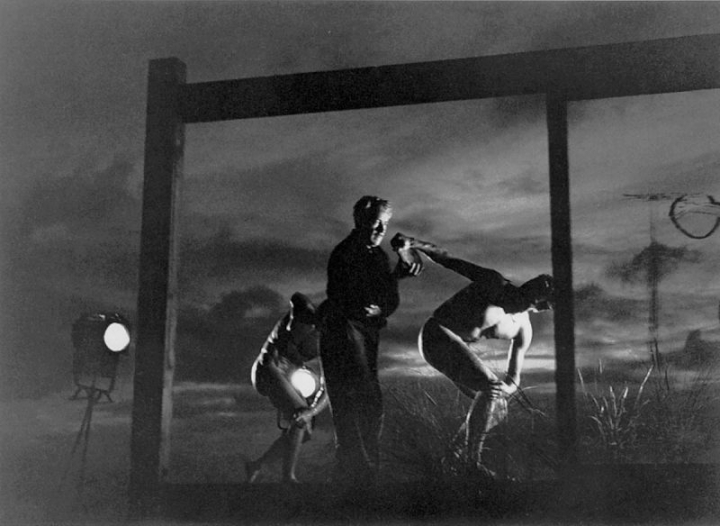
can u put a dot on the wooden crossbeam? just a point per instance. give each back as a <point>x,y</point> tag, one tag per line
<point>613,70</point>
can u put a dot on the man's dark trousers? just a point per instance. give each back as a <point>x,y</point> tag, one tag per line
<point>349,351</point>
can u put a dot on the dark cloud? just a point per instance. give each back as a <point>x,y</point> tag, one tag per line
<point>693,175</point>
<point>530,183</point>
<point>274,197</point>
<point>89,202</point>
<point>105,267</point>
<point>420,225</point>
<point>592,303</point>
<point>240,305</point>
<point>663,258</point>
<point>508,254</point>
<point>221,343</point>
<point>429,129</point>
<point>222,258</point>
<point>77,230</point>
<point>528,110</point>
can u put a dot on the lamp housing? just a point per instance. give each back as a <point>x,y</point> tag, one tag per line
<point>99,340</point>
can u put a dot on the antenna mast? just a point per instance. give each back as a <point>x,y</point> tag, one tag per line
<point>653,272</point>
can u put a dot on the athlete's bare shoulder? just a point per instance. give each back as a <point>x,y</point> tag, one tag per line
<point>494,315</point>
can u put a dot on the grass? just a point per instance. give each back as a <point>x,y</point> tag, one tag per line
<point>662,417</point>
<point>211,438</point>
<point>420,439</point>
<point>421,419</point>
<point>615,417</point>
<point>667,418</point>
<point>684,419</point>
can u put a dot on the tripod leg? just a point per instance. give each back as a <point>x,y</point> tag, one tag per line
<point>82,434</point>
<point>93,397</point>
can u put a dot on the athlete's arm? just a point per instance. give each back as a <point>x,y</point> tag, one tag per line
<point>516,356</point>
<point>442,257</point>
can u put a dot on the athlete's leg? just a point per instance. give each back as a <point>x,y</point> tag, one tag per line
<point>450,355</point>
<point>295,437</point>
<point>446,352</point>
<point>483,415</point>
<point>276,385</point>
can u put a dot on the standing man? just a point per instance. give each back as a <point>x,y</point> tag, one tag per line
<point>362,292</point>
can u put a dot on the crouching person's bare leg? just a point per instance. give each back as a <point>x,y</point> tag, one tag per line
<point>484,414</point>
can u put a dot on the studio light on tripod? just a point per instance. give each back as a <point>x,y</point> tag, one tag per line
<point>99,340</point>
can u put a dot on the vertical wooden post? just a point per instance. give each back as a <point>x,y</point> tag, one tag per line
<point>562,273</point>
<point>154,356</point>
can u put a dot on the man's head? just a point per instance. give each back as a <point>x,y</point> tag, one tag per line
<point>372,215</point>
<point>540,292</point>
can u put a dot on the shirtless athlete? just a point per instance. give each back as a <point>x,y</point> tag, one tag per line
<point>489,307</point>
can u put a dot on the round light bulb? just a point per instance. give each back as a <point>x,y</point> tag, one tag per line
<point>116,337</point>
<point>304,381</point>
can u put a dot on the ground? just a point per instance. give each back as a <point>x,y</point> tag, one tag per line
<point>53,474</point>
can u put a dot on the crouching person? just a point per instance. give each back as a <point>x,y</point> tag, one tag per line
<point>490,307</point>
<point>287,371</point>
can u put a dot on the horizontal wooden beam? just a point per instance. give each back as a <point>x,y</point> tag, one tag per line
<point>614,70</point>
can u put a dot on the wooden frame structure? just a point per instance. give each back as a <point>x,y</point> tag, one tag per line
<point>562,75</point>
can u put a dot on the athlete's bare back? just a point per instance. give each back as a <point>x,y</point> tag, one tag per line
<point>472,316</point>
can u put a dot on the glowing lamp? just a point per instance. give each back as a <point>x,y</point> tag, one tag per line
<point>116,337</point>
<point>305,381</point>
<point>99,340</point>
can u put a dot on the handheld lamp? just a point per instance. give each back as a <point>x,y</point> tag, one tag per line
<point>305,382</point>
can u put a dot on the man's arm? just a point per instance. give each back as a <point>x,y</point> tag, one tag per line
<point>338,276</point>
<point>442,257</point>
<point>516,356</point>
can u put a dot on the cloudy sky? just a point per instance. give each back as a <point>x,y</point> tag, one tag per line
<point>265,200</point>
